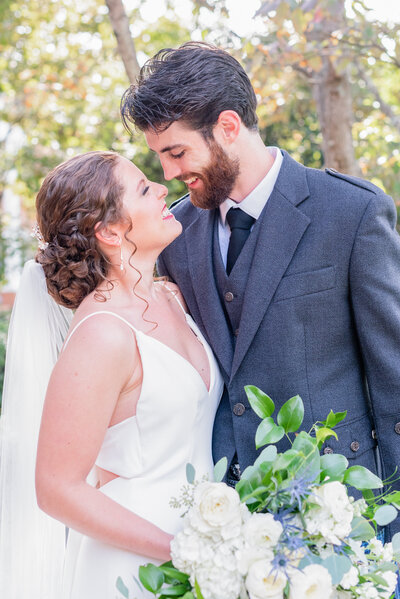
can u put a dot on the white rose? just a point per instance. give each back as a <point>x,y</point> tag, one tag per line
<point>350,579</point>
<point>216,509</point>
<point>262,531</point>
<point>333,514</point>
<point>264,583</point>
<point>313,582</point>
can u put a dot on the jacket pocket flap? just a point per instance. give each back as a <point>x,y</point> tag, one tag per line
<point>305,283</point>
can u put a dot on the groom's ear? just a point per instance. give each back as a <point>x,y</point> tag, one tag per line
<point>227,127</point>
<point>107,235</point>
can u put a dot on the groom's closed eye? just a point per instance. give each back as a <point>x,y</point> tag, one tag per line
<point>178,155</point>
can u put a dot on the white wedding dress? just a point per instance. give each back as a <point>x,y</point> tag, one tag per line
<point>149,453</point>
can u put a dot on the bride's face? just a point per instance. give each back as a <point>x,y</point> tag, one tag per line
<point>153,225</point>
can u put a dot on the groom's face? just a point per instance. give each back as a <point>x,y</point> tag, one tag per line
<point>209,173</point>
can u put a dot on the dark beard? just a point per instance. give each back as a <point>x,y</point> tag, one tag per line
<point>218,179</point>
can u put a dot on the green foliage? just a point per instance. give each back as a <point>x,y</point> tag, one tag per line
<point>4,320</point>
<point>166,581</point>
<point>220,469</point>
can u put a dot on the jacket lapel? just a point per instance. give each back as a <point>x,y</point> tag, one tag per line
<point>281,227</point>
<point>201,271</point>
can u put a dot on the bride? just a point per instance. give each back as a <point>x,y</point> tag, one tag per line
<point>130,401</point>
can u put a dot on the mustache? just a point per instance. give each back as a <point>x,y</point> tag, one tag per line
<point>186,176</point>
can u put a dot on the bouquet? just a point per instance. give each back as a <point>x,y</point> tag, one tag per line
<point>289,530</point>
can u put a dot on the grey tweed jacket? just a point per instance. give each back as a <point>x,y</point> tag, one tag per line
<point>320,315</point>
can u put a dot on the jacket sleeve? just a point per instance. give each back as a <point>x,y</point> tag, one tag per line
<point>375,297</point>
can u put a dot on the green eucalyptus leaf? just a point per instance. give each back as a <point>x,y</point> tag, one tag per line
<point>190,473</point>
<point>220,469</point>
<point>377,579</point>
<point>361,529</point>
<point>324,433</point>
<point>268,432</point>
<point>385,514</point>
<point>309,559</point>
<point>334,419</point>
<point>268,455</point>
<point>291,414</point>
<point>361,478</point>
<point>337,566</point>
<point>260,402</point>
<point>396,543</point>
<point>188,595</point>
<point>333,465</point>
<point>122,588</point>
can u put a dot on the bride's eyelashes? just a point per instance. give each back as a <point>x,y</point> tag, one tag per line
<point>145,190</point>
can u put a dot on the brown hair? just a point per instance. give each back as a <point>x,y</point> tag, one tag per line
<point>74,197</point>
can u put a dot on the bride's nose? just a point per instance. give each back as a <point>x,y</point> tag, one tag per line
<point>162,191</point>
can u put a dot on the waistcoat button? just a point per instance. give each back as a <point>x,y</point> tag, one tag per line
<point>354,446</point>
<point>229,296</point>
<point>239,409</point>
<point>328,450</point>
<point>397,428</point>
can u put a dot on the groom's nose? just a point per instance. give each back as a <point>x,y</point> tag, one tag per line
<point>171,170</point>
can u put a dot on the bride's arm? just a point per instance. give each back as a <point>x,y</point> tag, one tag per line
<point>98,363</point>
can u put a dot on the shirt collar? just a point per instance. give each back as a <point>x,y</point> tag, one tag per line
<point>254,203</point>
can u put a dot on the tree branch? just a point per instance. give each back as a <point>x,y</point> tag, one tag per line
<point>126,47</point>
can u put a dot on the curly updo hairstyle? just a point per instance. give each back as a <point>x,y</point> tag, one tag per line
<point>74,197</point>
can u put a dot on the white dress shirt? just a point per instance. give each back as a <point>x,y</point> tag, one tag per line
<point>252,204</point>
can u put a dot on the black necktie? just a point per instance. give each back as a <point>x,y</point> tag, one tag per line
<point>240,224</point>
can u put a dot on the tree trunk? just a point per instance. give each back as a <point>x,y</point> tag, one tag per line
<point>126,47</point>
<point>332,93</point>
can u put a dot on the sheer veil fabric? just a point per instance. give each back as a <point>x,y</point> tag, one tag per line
<point>31,543</point>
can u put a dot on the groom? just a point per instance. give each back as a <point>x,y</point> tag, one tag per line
<point>292,274</point>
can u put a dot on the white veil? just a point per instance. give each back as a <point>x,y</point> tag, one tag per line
<point>31,543</point>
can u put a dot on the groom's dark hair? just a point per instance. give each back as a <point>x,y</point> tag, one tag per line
<point>193,83</point>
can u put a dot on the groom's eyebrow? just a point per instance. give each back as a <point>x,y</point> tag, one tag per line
<point>169,148</point>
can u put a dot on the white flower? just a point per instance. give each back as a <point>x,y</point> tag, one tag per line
<point>333,514</point>
<point>342,594</point>
<point>217,509</point>
<point>215,582</point>
<point>376,547</point>
<point>350,579</point>
<point>262,531</point>
<point>313,582</point>
<point>188,548</point>
<point>391,579</point>
<point>387,553</point>
<point>367,590</point>
<point>359,506</point>
<point>264,583</point>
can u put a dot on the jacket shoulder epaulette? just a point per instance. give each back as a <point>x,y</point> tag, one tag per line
<point>353,180</point>
<point>178,201</point>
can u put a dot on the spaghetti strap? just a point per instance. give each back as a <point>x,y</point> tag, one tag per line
<point>175,295</point>
<point>94,314</point>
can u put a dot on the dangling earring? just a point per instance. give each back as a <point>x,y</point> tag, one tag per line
<point>121,266</point>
